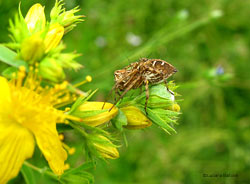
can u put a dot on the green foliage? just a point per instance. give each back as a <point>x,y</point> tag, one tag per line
<point>28,174</point>
<point>119,121</point>
<point>213,133</point>
<point>78,175</point>
<point>9,57</point>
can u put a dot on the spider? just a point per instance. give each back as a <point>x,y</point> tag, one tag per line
<point>144,72</point>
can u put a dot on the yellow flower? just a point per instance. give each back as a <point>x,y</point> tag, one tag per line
<point>136,119</point>
<point>106,148</point>
<point>53,36</point>
<point>35,17</point>
<point>28,115</point>
<point>95,120</point>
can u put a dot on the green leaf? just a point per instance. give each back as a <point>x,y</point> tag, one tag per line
<point>80,178</point>
<point>80,101</point>
<point>9,71</point>
<point>85,114</point>
<point>161,91</point>
<point>28,174</point>
<point>120,120</point>
<point>84,166</point>
<point>168,115</point>
<point>9,57</point>
<point>153,116</point>
<point>79,175</point>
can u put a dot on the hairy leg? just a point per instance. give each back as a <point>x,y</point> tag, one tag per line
<point>115,87</point>
<point>168,88</point>
<point>126,90</point>
<point>147,95</point>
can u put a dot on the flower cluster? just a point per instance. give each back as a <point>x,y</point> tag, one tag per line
<point>162,109</point>
<point>36,102</point>
<point>39,41</point>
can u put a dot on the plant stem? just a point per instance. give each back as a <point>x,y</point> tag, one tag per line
<point>40,170</point>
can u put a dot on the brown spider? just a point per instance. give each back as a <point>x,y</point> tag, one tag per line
<point>145,71</point>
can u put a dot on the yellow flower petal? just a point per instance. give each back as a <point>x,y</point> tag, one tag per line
<point>16,145</point>
<point>4,95</point>
<point>49,143</point>
<point>27,113</point>
<point>99,118</point>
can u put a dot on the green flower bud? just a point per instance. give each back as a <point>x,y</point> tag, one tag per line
<point>159,97</point>
<point>162,108</point>
<point>67,19</point>
<point>106,148</point>
<point>50,69</point>
<point>32,49</point>
<point>135,118</point>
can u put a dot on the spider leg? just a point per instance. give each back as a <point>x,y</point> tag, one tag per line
<point>117,93</point>
<point>140,89</point>
<point>168,88</point>
<point>126,90</point>
<point>115,87</point>
<point>110,92</point>
<point>147,95</point>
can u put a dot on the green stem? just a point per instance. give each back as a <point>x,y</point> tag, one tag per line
<point>41,171</point>
<point>78,128</point>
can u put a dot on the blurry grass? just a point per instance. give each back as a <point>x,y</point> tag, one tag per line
<point>162,37</point>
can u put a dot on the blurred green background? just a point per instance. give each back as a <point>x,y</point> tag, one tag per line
<point>208,41</point>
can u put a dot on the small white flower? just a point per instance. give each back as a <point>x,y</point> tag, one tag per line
<point>133,39</point>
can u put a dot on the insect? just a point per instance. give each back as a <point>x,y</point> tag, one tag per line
<point>144,72</point>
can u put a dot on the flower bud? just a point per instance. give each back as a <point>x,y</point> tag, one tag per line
<point>53,36</point>
<point>106,148</point>
<point>50,69</point>
<point>159,97</point>
<point>88,112</point>
<point>35,18</point>
<point>67,19</point>
<point>32,49</point>
<point>175,107</point>
<point>136,119</point>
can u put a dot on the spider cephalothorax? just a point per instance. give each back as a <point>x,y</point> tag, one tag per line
<point>144,72</point>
